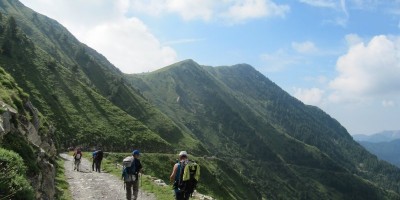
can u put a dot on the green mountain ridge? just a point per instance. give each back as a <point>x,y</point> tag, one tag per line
<point>255,141</point>
<point>241,115</point>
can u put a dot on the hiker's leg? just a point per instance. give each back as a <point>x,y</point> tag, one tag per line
<point>186,195</point>
<point>99,165</point>
<point>135,189</point>
<point>128,190</point>
<point>93,165</point>
<point>179,195</point>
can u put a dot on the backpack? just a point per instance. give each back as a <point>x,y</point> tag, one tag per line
<point>189,176</point>
<point>78,156</point>
<point>99,155</point>
<point>128,169</point>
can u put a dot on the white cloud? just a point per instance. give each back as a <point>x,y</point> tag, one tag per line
<point>313,96</point>
<point>125,42</point>
<point>130,46</point>
<point>184,41</point>
<point>251,9</point>
<point>368,70</point>
<point>353,39</point>
<point>231,11</point>
<point>307,47</point>
<point>338,5</point>
<point>320,3</point>
<point>187,9</point>
<point>388,103</point>
<point>191,9</point>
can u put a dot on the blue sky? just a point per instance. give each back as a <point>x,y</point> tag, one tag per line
<point>340,55</point>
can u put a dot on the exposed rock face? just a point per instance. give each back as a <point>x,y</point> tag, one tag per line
<point>7,113</point>
<point>13,123</point>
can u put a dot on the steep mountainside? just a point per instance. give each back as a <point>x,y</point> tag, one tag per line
<point>283,146</point>
<point>78,89</point>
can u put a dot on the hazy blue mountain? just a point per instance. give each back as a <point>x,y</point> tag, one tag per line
<point>388,151</point>
<point>384,136</point>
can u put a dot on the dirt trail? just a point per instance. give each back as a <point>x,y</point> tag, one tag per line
<point>86,184</point>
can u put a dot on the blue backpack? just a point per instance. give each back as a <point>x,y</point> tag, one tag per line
<point>128,169</point>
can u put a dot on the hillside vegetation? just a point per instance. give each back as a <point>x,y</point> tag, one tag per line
<point>85,96</point>
<point>280,144</point>
<point>26,147</point>
<point>14,179</point>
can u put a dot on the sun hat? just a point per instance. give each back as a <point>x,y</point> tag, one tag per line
<point>182,153</point>
<point>135,152</point>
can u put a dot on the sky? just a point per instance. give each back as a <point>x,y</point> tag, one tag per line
<point>340,55</point>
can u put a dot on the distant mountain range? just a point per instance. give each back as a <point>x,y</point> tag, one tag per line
<point>388,151</point>
<point>384,136</point>
<point>385,145</point>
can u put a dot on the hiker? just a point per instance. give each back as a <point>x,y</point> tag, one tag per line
<point>130,174</point>
<point>93,159</point>
<point>97,160</point>
<point>77,158</point>
<point>185,175</point>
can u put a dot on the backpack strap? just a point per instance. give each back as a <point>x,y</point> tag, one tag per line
<point>178,172</point>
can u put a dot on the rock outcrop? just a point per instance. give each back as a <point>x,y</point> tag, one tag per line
<point>12,122</point>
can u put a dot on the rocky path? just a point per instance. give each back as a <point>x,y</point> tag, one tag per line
<point>86,184</point>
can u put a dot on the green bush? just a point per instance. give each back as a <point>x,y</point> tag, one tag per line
<point>13,181</point>
<point>18,144</point>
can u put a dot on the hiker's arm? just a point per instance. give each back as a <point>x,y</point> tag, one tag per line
<point>172,177</point>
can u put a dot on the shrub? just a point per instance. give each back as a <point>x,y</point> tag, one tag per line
<point>13,181</point>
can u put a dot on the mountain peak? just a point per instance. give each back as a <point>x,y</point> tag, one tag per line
<point>184,64</point>
<point>188,62</point>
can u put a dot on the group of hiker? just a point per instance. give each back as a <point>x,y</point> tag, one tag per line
<point>184,176</point>
<point>97,157</point>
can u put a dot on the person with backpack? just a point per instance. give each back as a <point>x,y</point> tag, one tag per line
<point>130,173</point>
<point>77,158</point>
<point>97,160</point>
<point>185,175</point>
<point>94,159</point>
